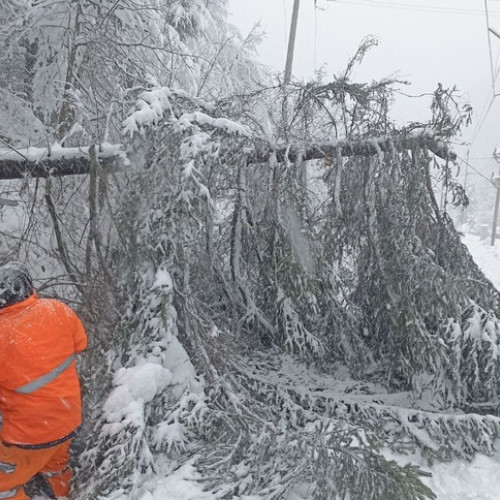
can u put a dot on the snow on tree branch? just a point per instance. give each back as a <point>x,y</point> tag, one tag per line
<point>363,147</point>
<point>57,161</point>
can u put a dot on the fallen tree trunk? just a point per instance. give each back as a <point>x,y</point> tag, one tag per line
<point>362,147</point>
<point>57,161</point>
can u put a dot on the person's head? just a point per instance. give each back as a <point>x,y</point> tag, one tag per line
<point>16,283</point>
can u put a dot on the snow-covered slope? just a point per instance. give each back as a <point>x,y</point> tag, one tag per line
<point>486,257</point>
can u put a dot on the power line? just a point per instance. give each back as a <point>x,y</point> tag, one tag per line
<point>494,76</point>
<point>476,170</point>
<point>481,122</point>
<point>485,112</point>
<point>418,8</point>
<point>414,7</point>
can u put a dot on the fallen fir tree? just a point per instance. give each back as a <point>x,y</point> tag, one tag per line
<point>259,241</point>
<point>230,267</point>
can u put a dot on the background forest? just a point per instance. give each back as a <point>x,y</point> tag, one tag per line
<point>274,291</point>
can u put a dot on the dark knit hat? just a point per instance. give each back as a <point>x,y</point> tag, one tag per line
<point>16,283</point>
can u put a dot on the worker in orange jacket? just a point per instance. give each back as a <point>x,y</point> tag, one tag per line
<point>40,400</point>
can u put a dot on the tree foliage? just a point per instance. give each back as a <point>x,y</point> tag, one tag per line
<point>262,238</point>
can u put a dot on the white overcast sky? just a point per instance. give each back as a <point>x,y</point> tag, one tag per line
<point>422,41</point>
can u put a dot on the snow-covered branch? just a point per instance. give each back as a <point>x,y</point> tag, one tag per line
<point>363,147</point>
<point>57,161</point>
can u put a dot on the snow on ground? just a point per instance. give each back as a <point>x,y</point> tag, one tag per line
<point>486,257</point>
<point>183,484</point>
<point>458,480</point>
<point>479,480</point>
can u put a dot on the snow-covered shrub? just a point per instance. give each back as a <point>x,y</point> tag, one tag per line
<point>155,399</point>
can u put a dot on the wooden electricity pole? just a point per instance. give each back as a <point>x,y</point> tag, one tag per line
<point>291,41</point>
<point>496,180</point>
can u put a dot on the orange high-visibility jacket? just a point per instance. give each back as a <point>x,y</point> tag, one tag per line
<point>38,404</point>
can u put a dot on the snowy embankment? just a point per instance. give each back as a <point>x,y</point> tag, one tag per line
<point>486,257</point>
<point>478,480</point>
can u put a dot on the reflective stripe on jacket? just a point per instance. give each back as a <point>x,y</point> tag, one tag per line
<point>46,378</point>
<point>40,397</point>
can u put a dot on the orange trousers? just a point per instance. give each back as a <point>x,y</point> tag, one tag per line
<point>18,466</point>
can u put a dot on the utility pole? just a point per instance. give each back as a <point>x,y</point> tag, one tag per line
<point>490,30</point>
<point>496,181</point>
<point>291,41</point>
<point>495,215</point>
<point>462,214</point>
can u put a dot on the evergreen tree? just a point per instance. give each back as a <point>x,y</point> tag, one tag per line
<point>259,241</point>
